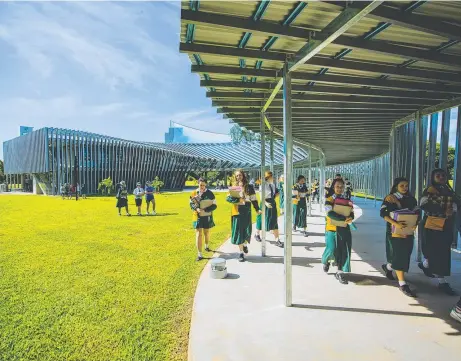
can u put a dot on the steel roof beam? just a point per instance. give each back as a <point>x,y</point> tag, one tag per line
<point>310,105</point>
<point>326,98</point>
<point>331,34</point>
<point>380,68</point>
<point>317,116</point>
<point>413,21</point>
<point>333,79</point>
<point>313,111</point>
<point>326,89</point>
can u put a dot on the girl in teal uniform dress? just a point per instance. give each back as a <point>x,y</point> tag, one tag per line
<point>439,202</point>
<point>300,194</point>
<point>398,249</point>
<point>202,219</point>
<point>271,211</point>
<point>241,213</point>
<point>338,240</point>
<point>281,195</point>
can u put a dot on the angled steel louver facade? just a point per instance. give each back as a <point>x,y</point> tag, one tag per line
<point>49,155</point>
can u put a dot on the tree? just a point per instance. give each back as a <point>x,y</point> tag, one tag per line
<point>239,134</point>
<point>157,184</point>
<point>105,186</point>
<point>2,175</point>
<point>450,159</point>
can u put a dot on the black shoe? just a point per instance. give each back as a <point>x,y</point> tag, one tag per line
<point>207,249</point>
<point>388,273</point>
<point>446,288</point>
<point>199,258</point>
<point>241,257</point>
<point>425,270</point>
<point>294,229</point>
<point>341,279</point>
<point>326,267</point>
<point>407,291</point>
<point>258,238</point>
<point>279,244</point>
<point>305,234</point>
<point>245,249</point>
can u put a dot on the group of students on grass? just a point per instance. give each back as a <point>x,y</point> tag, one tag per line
<point>139,193</point>
<point>438,201</point>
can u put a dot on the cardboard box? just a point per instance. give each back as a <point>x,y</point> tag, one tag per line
<point>204,204</point>
<point>404,215</point>
<point>235,192</point>
<point>342,210</point>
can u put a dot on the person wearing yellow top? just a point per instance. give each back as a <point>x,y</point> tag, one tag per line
<point>202,219</point>
<point>338,240</point>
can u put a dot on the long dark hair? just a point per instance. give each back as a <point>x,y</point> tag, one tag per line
<point>445,188</point>
<point>395,185</point>
<point>244,180</point>
<point>331,191</point>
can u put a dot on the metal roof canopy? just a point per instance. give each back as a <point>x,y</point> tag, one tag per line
<point>356,68</point>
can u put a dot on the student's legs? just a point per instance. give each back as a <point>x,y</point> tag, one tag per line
<point>119,210</point>
<point>198,240</point>
<point>147,204</point>
<point>206,233</point>
<point>153,205</point>
<point>126,208</point>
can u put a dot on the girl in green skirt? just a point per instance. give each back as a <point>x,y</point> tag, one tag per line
<point>338,240</point>
<point>398,249</point>
<point>271,211</point>
<point>300,193</point>
<point>241,213</point>
<point>202,219</point>
<point>439,202</point>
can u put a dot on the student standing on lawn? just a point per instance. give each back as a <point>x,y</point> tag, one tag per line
<point>149,191</point>
<point>138,193</point>
<point>122,198</point>
<point>338,240</point>
<point>398,249</point>
<point>200,221</point>
<point>241,222</point>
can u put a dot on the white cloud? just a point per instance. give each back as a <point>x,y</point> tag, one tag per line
<point>106,39</point>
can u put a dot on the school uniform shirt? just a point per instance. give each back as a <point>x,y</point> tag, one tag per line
<point>138,192</point>
<point>149,196</point>
<point>270,191</point>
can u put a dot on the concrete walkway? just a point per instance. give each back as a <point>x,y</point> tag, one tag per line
<point>242,318</point>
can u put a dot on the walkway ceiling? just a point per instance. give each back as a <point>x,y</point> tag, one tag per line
<point>402,57</point>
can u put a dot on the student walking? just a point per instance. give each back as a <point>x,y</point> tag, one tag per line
<point>300,193</point>
<point>149,194</point>
<point>281,195</point>
<point>439,203</point>
<point>338,239</point>
<point>241,222</point>
<point>202,219</point>
<point>122,198</point>
<point>271,211</point>
<point>398,249</point>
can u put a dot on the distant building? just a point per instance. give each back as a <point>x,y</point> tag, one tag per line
<point>25,130</point>
<point>175,135</point>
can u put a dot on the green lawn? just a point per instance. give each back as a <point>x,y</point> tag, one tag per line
<point>78,282</point>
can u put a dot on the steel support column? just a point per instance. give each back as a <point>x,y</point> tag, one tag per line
<point>288,170</point>
<point>445,134</point>
<point>272,149</point>
<point>457,165</point>
<point>420,153</point>
<point>432,145</point>
<point>310,181</point>
<point>262,185</point>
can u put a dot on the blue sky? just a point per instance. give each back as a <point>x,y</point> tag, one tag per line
<point>109,68</point>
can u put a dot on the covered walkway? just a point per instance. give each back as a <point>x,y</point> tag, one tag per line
<point>242,318</point>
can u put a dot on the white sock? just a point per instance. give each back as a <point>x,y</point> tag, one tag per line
<point>206,245</point>
<point>402,283</point>
<point>426,263</point>
<point>441,280</point>
<point>199,254</point>
<point>339,271</point>
<point>389,267</point>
